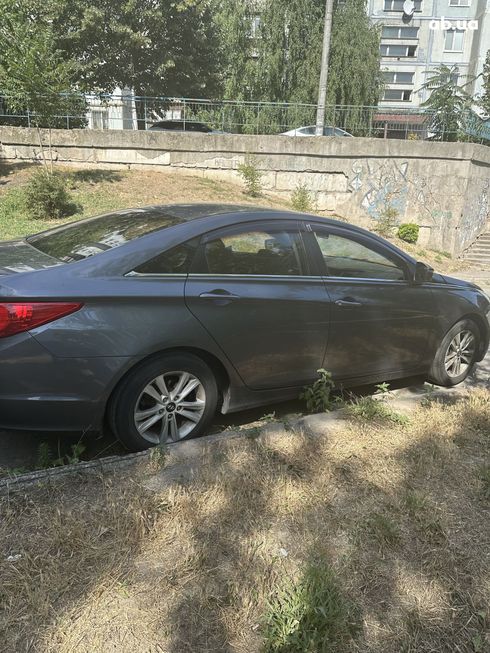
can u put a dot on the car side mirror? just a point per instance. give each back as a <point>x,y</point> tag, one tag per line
<point>422,273</point>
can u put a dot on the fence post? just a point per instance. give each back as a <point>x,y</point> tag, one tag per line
<point>28,118</point>
<point>184,114</point>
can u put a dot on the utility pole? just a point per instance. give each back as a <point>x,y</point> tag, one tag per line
<point>322,89</point>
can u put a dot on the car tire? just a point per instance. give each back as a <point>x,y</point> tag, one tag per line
<point>168,399</point>
<point>445,370</point>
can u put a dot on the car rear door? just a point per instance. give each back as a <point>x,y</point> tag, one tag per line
<point>381,322</point>
<point>250,287</point>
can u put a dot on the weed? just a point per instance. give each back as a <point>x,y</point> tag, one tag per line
<point>301,199</point>
<point>368,409</point>
<point>317,395</point>
<point>45,458</point>
<point>158,456</point>
<point>310,616</point>
<point>382,388</point>
<point>251,175</point>
<point>387,221</point>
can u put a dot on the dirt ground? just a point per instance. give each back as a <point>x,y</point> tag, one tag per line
<point>373,537</point>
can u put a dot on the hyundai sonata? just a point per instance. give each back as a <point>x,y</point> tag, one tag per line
<point>152,319</point>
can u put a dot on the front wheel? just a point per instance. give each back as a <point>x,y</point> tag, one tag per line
<point>169,399</point>
<point>456,355</point>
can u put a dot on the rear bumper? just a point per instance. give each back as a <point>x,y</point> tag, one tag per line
<point>41,392</point>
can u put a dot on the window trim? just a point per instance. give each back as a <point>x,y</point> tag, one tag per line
<point>400,36</point>
<point>395,81</point>
<point>257,225</point>
<point>398,56</point>
<point>370,243</point>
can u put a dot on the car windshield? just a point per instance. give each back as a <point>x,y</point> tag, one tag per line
<point>87,238</point>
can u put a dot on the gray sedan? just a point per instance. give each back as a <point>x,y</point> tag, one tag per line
<point>152,319</point>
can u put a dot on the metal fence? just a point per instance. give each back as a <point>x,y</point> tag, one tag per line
<point>239,117</point>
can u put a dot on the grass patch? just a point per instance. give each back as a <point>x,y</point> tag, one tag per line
<point>310,616</point>
<point>370,409</point>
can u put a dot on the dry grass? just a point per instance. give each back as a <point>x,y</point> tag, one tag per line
<point>372,538</point>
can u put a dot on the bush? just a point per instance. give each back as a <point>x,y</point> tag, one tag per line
<point>317,395</point>
<point>301,199</point>
<point>251,175</point>
<point>387,221</point>
<point>46,196</point>
<point>408,232</point>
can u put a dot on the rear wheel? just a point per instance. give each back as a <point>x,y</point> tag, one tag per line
<point>169,399</point>
<point>456,355</point>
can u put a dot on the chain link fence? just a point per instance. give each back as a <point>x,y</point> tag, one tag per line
<point>127,111</point>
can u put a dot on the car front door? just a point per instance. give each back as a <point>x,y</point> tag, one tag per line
<point>251,288</point>
<point>381,322</point>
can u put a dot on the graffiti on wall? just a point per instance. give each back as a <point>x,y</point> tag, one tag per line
<point>476,213</point>
<point>382,184</point>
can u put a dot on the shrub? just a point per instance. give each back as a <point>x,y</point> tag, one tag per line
<point>301,199</point>
<point>251,175</point>
<point>317,395</point>
<point>46,196</point>
<point>387,221</point>
<point>409,232</point>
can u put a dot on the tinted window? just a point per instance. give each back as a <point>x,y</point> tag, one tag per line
<point>174,261</point>
<point>347,258</point>
<point>258,252</point>
<point>87,238</point>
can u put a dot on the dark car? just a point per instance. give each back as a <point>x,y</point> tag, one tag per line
<point>183,126</point>
<point>152,319</point>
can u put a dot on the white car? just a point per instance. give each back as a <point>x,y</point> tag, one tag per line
<point>311,131</point>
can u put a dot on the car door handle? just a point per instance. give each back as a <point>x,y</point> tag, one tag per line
<point>218,294</point>
<point>347,302</point>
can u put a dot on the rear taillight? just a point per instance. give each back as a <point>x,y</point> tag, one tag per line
<point>16,317</point>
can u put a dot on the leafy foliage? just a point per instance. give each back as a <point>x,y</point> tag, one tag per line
<point>485,98</point>
<point>251,175</point>
<point>409,232</point>
<point>46,196</point>
<point>449,102</point>
<point>301,199</point>
<point>317,395</point>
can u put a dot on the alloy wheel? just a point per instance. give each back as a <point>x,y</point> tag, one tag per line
<point>169,407</point>
<point>460,353</point>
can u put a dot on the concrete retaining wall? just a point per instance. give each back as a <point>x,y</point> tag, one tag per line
<point>444,187</point>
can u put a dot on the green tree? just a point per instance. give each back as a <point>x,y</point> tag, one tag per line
<point>449,102</point>
<point>34,75</point>
<point>154,47</point>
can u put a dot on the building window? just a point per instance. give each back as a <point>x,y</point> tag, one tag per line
<point>399,32</point>
<point>99,119</point>
<point>398,50</point>
<point>459,3</point>
<point>397,5</point>
<point>396,77</point>
<point>397,95</point>
<point>454,40</point>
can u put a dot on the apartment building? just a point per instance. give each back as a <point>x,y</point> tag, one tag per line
<point>419,35</point>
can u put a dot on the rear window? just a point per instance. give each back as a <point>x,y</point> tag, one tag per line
<point>87,238</point>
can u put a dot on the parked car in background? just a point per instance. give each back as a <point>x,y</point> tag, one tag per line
<point>183,126</point>
<point>152,319</point>
<point>311,131</point>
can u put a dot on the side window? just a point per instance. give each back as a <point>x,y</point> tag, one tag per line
<point>173,261</point>
<point>258,251</point>
<point>347,258</point>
